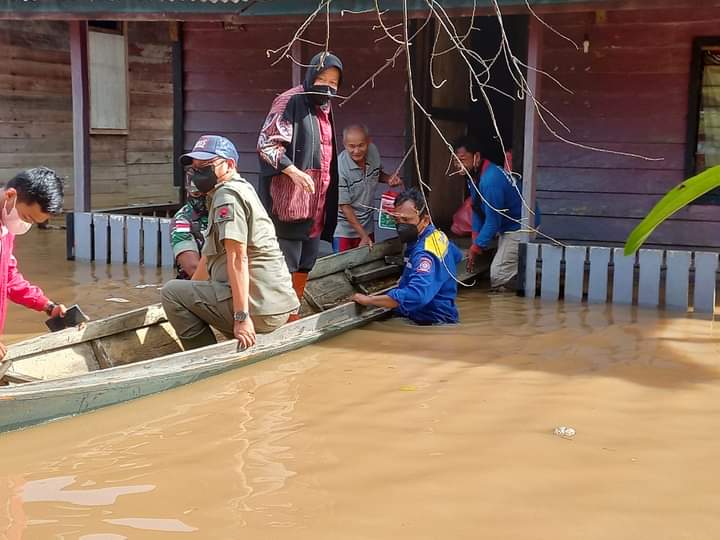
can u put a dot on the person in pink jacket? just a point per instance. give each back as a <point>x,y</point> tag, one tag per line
<point>29,198</point>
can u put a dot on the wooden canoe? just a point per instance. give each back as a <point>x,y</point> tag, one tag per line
<point>135,354</point>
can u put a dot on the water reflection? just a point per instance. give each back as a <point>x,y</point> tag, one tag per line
<point>152,524</point>
<point>53,490</point>
<point>137,454</point>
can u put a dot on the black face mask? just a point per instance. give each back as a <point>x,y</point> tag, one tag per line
<point>204,178</point>
<point>407,232</point>
<point>326,91</point>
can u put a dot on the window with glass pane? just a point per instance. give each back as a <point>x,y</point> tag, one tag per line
<point>707,153</point>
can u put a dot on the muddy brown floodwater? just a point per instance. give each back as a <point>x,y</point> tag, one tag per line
<point>398,432</point>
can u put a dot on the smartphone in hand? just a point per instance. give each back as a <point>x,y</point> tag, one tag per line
<point>73,317</point>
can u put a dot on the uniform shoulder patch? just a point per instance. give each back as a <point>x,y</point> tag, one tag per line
<point>223,213</point>
<point>437,244</point>
<point>425,265</point>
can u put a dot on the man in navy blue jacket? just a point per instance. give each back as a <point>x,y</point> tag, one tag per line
<point>496,214</point>
<point>427,289</point>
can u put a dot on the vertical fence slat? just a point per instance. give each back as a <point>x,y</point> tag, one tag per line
<point>574,272</point>
<point>531,270</point>
<point>134,226</point>
<point>117,239</point>
<point>649,280</point>
<point>677,279</point>
<point>624,270</point>
<point>150,241</point>
<point>706,265</point>
<point>83,236</point>
<point>101,235</point>
<point>550,276</point>
<point>167,255</point>
<point>598,281</point>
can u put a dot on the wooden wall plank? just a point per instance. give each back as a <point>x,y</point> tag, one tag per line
<point>623,277</point>
<point>588,180</point>
<point>706,266</point>
<point>560,154</point>
<point>618,205</point>
<point>584,229</point>
<point>650,261</point>
<point>598,276</point>
<point>101,233</point>
<point>550,277</point>
<point>574,273</point>
<point>677,280</point>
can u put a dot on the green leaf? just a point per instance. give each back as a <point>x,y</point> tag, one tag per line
<point>675,199</point>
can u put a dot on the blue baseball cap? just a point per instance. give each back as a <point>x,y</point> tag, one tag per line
<point>210,147</point>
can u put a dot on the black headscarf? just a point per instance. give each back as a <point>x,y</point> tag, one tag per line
<point>319,63</point>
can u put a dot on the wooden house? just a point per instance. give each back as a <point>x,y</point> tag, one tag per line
<point>128,166</point>
<point>644,78</point>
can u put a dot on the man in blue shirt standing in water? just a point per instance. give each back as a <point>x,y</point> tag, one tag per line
<point>497,212</point>
<point>427,289</point>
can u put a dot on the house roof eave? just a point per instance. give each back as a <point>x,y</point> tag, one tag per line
<point>246,10</point>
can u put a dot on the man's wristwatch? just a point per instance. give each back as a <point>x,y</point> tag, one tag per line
<point>50,307</point>
<point>240,316</point>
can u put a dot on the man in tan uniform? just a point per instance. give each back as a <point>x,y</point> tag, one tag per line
<point>242,284</point>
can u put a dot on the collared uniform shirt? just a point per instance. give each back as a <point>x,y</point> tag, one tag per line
<point>357,188</point>
<point>427,289</point>
<point>236,213</point>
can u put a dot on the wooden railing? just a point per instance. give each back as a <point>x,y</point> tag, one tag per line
<point>166,210</point>
<point>676,280</point>
<point>119,238</point>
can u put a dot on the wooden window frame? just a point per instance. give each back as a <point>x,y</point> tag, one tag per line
<point>693,116</point>
<point>124,33</point>
<point>119,32</point>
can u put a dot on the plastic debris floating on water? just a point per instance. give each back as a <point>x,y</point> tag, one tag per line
<point>117,300</point>
<point>565,432</point>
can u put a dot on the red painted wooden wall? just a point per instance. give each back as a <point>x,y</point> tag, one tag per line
<point>631,94</point>
<point>229,84</point>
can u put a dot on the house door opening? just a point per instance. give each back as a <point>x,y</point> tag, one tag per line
<point>456,114</point>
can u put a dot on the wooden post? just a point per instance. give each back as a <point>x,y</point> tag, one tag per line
<point>296,52</point>
<point>531,123</point>
<point>178,108</point>
<point>81,114</point>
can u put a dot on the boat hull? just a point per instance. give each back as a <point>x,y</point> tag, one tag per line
<point>33,403</point>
